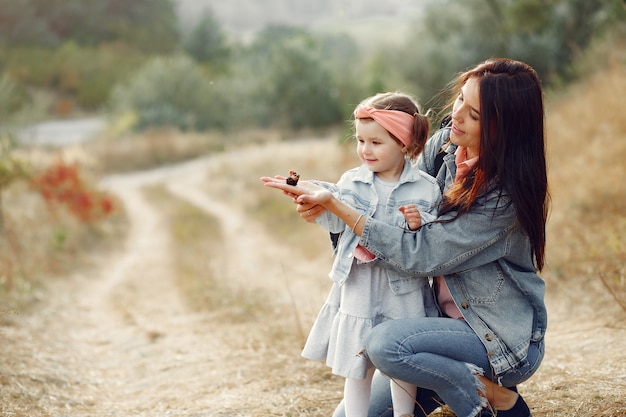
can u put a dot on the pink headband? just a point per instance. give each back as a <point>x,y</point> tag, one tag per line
<point>396,122</point>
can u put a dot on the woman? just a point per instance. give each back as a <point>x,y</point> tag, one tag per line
<point>484,250</point>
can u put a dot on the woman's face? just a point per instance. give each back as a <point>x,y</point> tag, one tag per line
<point>466,118</point>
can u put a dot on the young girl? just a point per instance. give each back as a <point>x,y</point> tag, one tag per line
<point>390,133</point>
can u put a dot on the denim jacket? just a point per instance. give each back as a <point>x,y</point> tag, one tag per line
<point>356,189</point>
<point>486,262</point>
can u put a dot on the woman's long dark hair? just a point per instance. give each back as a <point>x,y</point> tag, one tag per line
<point>512,147</point>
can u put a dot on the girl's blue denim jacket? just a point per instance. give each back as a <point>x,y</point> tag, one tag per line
<point>356,189</point>
<point>485,259</point>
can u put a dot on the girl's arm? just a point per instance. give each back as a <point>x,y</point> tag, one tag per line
<point>325,218</point>
<point>307,192</point>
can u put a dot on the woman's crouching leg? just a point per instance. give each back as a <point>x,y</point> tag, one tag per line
<point>440,354</point>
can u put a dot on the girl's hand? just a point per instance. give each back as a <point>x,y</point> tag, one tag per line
<point>309,197</point>
<point>412,216</point>
<point>278,179</point>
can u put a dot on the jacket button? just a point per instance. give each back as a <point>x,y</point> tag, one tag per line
<point>464,305</point>
<point>489,337</point>
<point>349,255</point>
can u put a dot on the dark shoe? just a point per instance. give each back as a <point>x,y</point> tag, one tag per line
<point>520,409</point>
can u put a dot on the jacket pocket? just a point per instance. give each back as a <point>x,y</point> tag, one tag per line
<point>482,286</point>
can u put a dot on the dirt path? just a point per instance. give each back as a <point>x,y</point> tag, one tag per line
<point>121,342</point>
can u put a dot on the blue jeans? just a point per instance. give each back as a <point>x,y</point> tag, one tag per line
<point>438,355</point>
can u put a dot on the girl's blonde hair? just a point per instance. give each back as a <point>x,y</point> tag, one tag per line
<point>406,103</point>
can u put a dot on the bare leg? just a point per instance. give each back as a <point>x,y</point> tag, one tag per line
<point>500,398</point>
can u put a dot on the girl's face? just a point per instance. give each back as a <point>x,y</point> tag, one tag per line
<point>379,151</point>
<point>466,118</point>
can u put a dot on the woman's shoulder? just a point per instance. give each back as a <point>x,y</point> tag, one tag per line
<point>428,160</point>
<point>439,138</point>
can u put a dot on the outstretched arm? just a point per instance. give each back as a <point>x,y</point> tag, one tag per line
<point>308,193</point>
<point>308,211</point>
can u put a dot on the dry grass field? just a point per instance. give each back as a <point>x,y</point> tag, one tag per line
<point>202,305</point>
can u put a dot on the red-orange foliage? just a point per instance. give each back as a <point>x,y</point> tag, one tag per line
<point>63,184</point>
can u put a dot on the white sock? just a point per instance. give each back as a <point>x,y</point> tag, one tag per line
<point>403,397</point>
<point>356,395</point>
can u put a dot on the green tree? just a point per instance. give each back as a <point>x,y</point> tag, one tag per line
<point>150,25</point>
<point>294,86</point>
<point>172,91</point>
<point>207,42</point>
<point>348,68</point>
<point>13,97</point>
<point>547,34</point>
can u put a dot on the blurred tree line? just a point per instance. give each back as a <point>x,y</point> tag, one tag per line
<point>134,59</point>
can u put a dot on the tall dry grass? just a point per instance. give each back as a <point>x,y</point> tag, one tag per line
<point>587,166</point>
<point>40,243</point>
<point>118,150</point>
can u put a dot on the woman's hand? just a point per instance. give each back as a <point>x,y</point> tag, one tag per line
<point>309,211</point>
